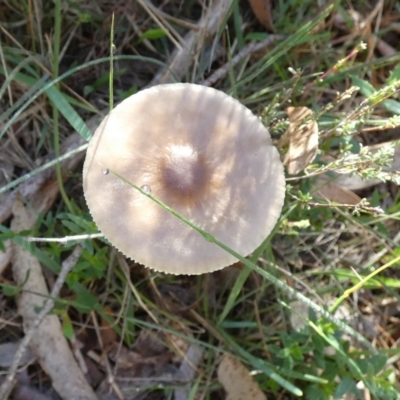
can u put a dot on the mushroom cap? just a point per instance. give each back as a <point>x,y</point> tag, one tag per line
<point>199,151</point>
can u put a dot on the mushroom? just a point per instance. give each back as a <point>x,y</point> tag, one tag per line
<point>197,150</point>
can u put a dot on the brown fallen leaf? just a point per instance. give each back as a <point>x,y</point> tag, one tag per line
<point>334,192</point>
<point>107,331</point>
<point>237,381</point>
<point>302,136</point>
<point>262,11</point>
<point>135,371</point>
<point>136,363</point>
<point>48,342</point>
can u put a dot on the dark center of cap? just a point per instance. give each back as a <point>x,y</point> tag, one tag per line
<point>183,171</point>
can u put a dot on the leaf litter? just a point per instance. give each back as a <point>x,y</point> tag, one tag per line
<point>302,136</point>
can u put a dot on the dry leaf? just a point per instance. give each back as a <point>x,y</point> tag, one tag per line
<point>352,181</point>
<point>48,343</point>
<point>299,312</point>
<point>134,362</point>
<point>396,159</point>
<point>107,332</point>
<point>355,182</point>
<point>333,192</point>
<point>187,370</point>
<point>302,136</point>
<point>8,351</point>
<point>237,381</point>
<point>262,11</point>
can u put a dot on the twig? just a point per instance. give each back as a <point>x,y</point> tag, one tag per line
<point>182,57</point>
<point>110,376</point>
<point>249,49</point>
<point>65,239</point>
<point>160,13</point>
<point>363,205</point>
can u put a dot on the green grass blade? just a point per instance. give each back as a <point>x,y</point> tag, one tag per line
<point>284,47</point>
<point>262,365</point>
<point>50,164</point>
<point>292,293</point>
<point>68,112</point>
<point>50,84</point>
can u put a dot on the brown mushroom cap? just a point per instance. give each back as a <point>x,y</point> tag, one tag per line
<point>200,152</point>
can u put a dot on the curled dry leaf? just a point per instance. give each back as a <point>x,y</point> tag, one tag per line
<point>262,11</point>
<point>237,381</point>
<point>302,136</point>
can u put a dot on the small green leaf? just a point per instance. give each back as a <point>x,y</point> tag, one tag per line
<point>41,255</point>
<point>67,327</point>
<point>392,106</point>
<point>152,34</point>
<point>366,88</point>
<point>378,362</point>
<point>259,36</point>
<point>345,386</point>
<point>68,112</point>
<point>13,290</point>
<point>87,89</point>
<point>85,301</point>
<point>10,290</point>
<point>394,75</point>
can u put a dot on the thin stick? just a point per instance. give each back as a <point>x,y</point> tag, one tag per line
<point>361,206</point>
<point>249,49</point>
<point>65,239</point>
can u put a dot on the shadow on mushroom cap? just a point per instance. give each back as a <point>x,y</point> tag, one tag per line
<point>202,153</point>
